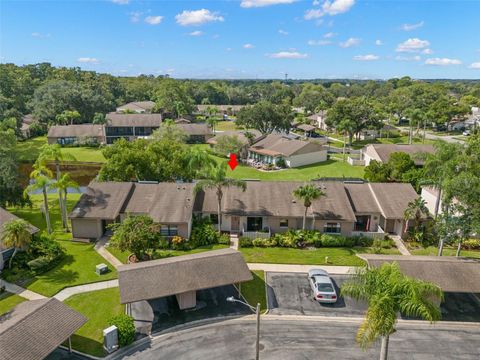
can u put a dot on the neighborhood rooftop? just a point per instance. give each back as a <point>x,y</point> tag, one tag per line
<point>280,145</point>
<point>195,129</point>
<point>6,217</point>
<point>132,120</point>
<point>137,106</point>
<point>384,151</point>
<point>33,329</point>
<point>82,130</point>
<point>180,274</point>
<point>240,134</point>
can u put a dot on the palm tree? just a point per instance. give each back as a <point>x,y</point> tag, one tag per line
<point>62,185</point>
<point>16,234</point>
<point>212,122</point>
<point>389,292</point>
<point>41,176</point>
<point>217,180</point>
<point>307,193</point>
<point>415,210</point>
<point>200,160</point>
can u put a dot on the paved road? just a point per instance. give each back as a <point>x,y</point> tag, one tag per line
<point>447,138</point>
<point>311,339</point>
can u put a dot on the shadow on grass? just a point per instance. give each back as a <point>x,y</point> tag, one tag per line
<point>86,345</point>
<point>61,276</point>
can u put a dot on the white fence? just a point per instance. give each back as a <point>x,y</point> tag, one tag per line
<point>379,234</point>
<point>257,234</point>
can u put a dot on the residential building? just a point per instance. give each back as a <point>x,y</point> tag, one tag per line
<point>130,126</point>
<point>197,133</point>
<point>223,110</point>
<point>139,107</point>
<point>382,152</point>
<point>273,149</point>
<point>240,135</point>
<point>82,134</point>
<point>319,119</point>
<point>370,134</point>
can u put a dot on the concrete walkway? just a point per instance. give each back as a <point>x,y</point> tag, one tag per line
<point>18,290</point>
<point>103,252</point>
<point>73,290</point>
<point>337,270</point>
<point>400,245</point>
<point>234,242</point>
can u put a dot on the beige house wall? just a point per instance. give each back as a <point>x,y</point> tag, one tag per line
<point>346,227</point>
<point>306,159</point>
<point>87,228</point>
<point>369,154</point>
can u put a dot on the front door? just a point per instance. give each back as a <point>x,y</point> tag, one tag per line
<point>235,226</point>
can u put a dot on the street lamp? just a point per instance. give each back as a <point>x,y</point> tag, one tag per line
<point>257,313</point>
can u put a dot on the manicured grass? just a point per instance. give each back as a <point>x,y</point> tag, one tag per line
<point>391,140</point>
<point>123,255</point>
<point>254,291</point>
<point>226,126</point>
<point>447,251</point>
<point>336,256</point>
<point>29,150</point>
<point>8,301</point>
<point>78,265</point>
<point>98,306</point>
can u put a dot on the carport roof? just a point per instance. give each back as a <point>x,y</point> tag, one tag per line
<point>450,273</point>
<point>176,275</point>
<point>33,329</point>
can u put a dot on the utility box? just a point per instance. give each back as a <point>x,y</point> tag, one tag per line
<point>101,269</point>
<point>110,339</point>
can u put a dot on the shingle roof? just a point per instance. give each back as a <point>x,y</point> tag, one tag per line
<point>393,198</point>
<point>82,130</point>
<point>137,105</point>
<point>275,198</point>
<point>129,120</point>
<point>175,275</point>
<point>361,198</point>
<point>102,200</point>
<point>450,273</point>
<point>6,217</point>
<point>164,202</point>
<point>385,150</point>
<point>306,127</point>
<point>240,134</point>
<point>221,107</point>
<point>279,145</point>
<point>196,129</point>
<point>33,329</point>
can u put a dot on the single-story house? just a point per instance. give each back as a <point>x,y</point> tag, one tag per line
<point>139,107</point>
<point>382,152</point>
<point>231,110</point>
<point>76,134</point>
<point>294,152</point>
<point>369,134</point>
<point>240,134</point>
<point>319,119</point>
<point>130,126</point>
<point>103,203</point>
<point>6,252</point>
<point>34,329</point>
<point>197,133</point>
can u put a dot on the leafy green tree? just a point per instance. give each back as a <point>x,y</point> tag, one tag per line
<point>416,211</point>
<point>99,119</point>
<point>169,131</point>
<point>216,179</point>
<point>265,117</point>
<point>307,193</point>
<point>314,98</point>
<point>399,164</point>
<point>172,97</point>
<point>389,292</point>
<point>68,117</point>
<point>137,234</point>
<point>199,161</point>
<point>227,144</point>
<point>10,189</point>
<point>16,234</point>
<point>42,181</point>
<point>63,185</point>
<point>377,172</point>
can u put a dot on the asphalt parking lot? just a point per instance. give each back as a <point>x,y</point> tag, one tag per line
<point>290,294</point>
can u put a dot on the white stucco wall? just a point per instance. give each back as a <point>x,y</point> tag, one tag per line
<point>306,159</point>
<point>430,200</point>
<point>368,154</point>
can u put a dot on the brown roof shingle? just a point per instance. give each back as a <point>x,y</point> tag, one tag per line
<point>82,130</point>
<point>361,198</point>
<point>131,120</point>
<point>240,134</point>
<point>33,329</point>
<point>196,129</point>
<point>393,198</point>
<point>385,150</point>
<point>276,145</point>
<point>137,106</point>
<point>175,275</point>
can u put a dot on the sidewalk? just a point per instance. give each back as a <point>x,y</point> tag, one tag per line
<point>337,270</point>
<point>73,290</point>
<point>103,252</point>
<point>15,289</point>
<point>400,245</point>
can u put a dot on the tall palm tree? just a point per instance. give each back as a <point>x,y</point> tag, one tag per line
<point>42,181</point>
<point>16,234</point>
<point>62,185</point>
<point>307,193</point>
<point>415,210</point>
<point>389,292</point>
<point>217,180</point>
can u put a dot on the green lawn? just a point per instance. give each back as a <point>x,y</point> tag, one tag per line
<point>254,291</point>
<point>226,126</point>
<point>98,306</point>
<point>78,265</point>
<point>391,140</point>
<point>123,255</point>
<point>29,150</point>
<point>8,301</point>
<point>447,251</point>
<point>336,256</point>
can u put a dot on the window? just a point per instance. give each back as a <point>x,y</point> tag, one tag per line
<point>169,230</point>
<point>284,223</point>
<point>214,219</point>
<point>332,228</point>
<point>254,223</point>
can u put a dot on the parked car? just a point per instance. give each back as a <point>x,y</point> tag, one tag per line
<point>322,286</point>
<point>466,133</point>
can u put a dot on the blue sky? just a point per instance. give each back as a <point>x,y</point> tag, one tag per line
<point>247,38</point>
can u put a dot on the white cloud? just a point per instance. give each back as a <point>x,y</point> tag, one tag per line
<point>369,57</point>
<point>427,51</point>
<point>283,32</point>
<point>316,3</point>
<point>329,35</point>
<point>475,65</point>
<point>350,42</point>
<point>442,61</point>
<point>288,55</point>
<point>413,45</point>
<point>331,8</point>
<point>88,60</point>
<point>263,3</point>
<point>410,27</point>
<point>197,17</point>
<point>196,33</point>
<point>153,20</point>
<point>121,2</point>
<point>248,46</point>
<point>319,42</point>
<point>408,58</point>
<point>135,16</point>
<point>40,35</point>
<point>378,42</point>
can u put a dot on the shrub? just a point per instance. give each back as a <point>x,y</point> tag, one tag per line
<point>224,239</point>
<point>245,242</point>
<point>179,243</point>
<point>377,246</point>
<point>126,328</point>
<point>41,264</point>
<point>46,254</point>
<point>471,244</point>
<point>260,242</point>
<point>289,239</point>
<point>203,233</point>
<point>310,237</point>
<point>363,241</point>
<point>336,241</point>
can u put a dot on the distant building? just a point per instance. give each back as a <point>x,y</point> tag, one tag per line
<point>139,107</point>
<point>319,119</point>
<point>197,133</point>
<point>382,152</point>
<point>76,134</point>
<point>230,110</point>
<point>240,135</point>
<point>130,126</point>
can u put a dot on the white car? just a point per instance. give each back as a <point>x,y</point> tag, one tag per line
<point>322,286</point>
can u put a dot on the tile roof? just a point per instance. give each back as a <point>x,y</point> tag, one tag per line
<point>33,329</point>
<point>130,120</point>
<point>279,145</point>
<point>82,130</point>
<point>175,275</point>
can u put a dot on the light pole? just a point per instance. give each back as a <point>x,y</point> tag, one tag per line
<point>257,313</point>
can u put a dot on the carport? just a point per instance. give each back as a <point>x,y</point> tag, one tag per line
<point>34,329</point>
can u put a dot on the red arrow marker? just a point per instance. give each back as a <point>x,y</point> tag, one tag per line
<point>233,161</point>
